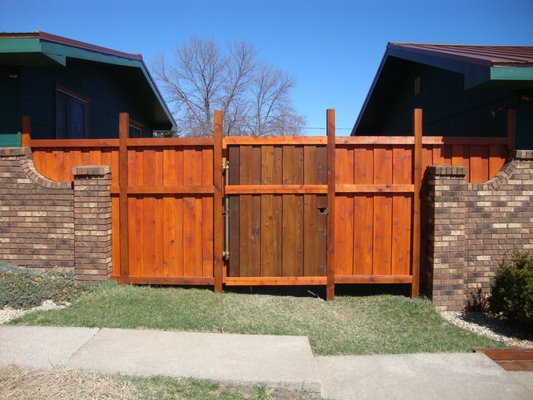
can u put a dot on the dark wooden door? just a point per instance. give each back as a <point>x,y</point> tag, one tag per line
<point>277,221</point>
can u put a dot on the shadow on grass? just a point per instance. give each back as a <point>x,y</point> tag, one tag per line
<point>308,291</point>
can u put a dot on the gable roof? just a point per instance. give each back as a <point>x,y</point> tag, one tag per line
<point>478,64</point>
<point>45,49</point>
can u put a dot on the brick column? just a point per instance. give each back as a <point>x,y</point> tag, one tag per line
<point>92,223</point>
<point>446,230</point>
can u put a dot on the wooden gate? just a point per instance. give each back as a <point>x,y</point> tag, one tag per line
<point>277,211</point>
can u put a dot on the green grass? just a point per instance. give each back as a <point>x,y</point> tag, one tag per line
<point>168,388</point>
<point>383,324</point>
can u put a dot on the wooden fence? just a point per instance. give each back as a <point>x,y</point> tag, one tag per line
<point>301,210</point>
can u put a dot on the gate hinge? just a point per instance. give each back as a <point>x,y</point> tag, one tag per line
<point>225,164</point>
<point>225,255</point>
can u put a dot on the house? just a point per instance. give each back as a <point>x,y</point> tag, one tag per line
<point>72,89</point>
<point>464,90</point>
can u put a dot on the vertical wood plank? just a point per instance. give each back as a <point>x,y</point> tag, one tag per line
<point>218,222</point>
<point>401,213</point>
<point>330,129</point>
<point>383,174</point>
<point>271,223</point>
<point>315,222</point>
<point>188,236</point>
<point>479,164</point>
<point>497,156</point>
<point>417,180</point>
<point>123,129</point>
<point>363,234</point>
<point>158,269</point>
<point>292,235</point>
<point>115,235</point>
<point>234,213</point>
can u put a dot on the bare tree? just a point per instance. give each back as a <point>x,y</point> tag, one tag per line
<point>253,96</point>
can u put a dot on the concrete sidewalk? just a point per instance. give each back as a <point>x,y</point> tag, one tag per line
<point>285,361</point>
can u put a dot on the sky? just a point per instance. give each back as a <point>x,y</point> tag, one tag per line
<point>332,47</point>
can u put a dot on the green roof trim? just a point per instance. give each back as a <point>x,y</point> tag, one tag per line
<point>511,73</point>
<point>20,45</point>
<point>10,139</point>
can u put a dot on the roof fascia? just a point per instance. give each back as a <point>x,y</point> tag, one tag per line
<point>511,73</point>
<point>369,94</point>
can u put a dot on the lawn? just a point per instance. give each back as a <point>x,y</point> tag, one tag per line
<point>380,324</point>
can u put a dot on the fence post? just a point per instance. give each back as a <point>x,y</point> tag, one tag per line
<point>511,129</point>
<point>417,180</point>
<point>123,131</point>
<point>330,263</point>
<point>218,228</point>
<point>25,130</point>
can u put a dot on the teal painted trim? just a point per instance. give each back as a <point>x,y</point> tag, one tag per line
<point>20,45</point>
<point>511,73</point>
<point>10,140</point>
<point>67,51</point>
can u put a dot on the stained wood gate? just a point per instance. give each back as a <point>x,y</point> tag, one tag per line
<point>278,211</point>
<point>300,210</point>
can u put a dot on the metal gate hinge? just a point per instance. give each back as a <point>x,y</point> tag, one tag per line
<point>225,255</point>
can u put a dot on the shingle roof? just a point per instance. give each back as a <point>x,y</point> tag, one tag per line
<point>489,55</point>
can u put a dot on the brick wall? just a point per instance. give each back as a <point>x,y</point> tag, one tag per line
<point>47,224</point>
<point>472,229</point>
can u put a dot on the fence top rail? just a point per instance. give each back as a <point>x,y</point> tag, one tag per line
<point>114,143</point>
<point>274,140</point>
<point>267,140</point>
<point>426,140</point>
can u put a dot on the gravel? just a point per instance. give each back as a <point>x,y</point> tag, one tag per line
<point>489,325</point>
<point>8,313</point>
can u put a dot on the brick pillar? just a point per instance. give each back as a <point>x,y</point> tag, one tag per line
<point>446,240</point>
<point>92,223</point>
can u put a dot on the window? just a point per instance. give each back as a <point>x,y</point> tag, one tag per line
<point>417,86</point>
<point>72,114</point>
<point>136,129</point>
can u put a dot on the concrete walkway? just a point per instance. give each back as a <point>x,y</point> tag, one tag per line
<point>285,361</point>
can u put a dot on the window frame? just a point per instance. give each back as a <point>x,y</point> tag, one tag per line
<point>136,125</point>
<point>59,88</point>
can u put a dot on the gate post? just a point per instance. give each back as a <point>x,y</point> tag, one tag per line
<point>417,180</point>
<point>218,224</point>
<point>123,133</point>
<point>330,263</point>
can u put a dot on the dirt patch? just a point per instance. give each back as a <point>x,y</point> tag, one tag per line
<point>25,384</point>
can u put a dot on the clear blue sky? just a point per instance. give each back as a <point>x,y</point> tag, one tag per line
<point>333,47</point>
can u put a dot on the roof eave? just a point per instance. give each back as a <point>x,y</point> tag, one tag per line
<point>369,94</point>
